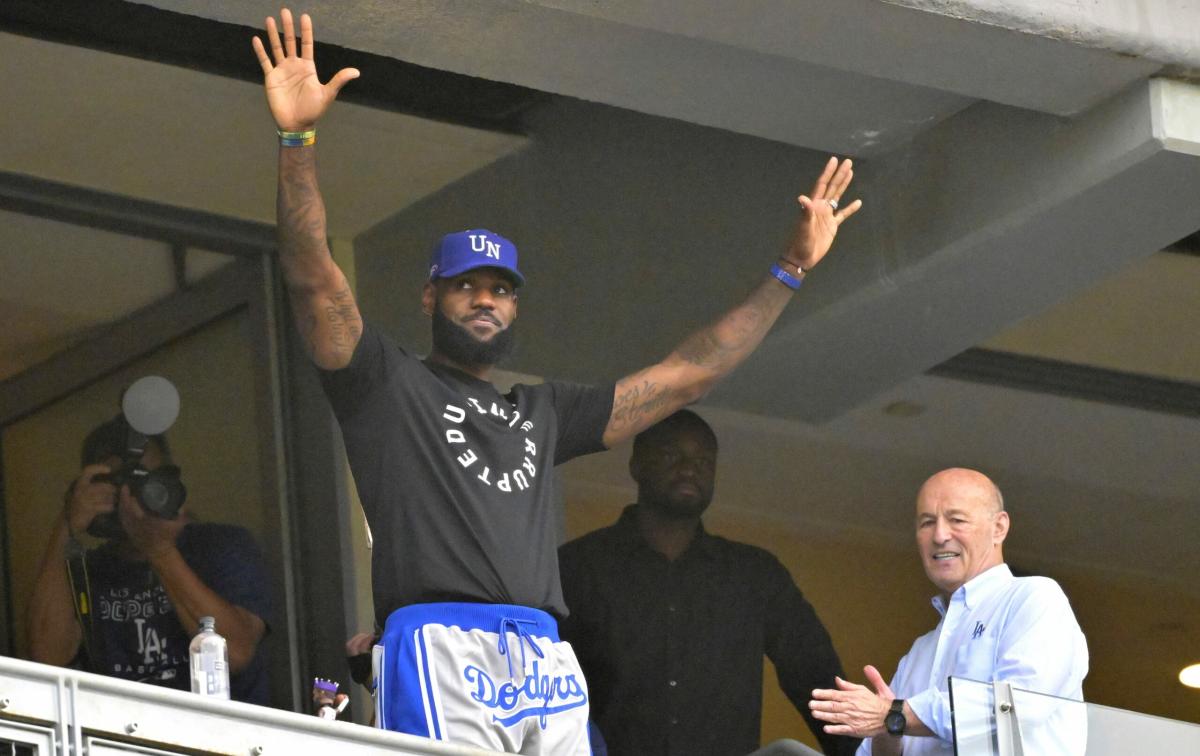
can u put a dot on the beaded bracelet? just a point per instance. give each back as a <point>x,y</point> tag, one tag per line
<point>297,138</point>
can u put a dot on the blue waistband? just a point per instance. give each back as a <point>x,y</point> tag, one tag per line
<point>487,617</point>
<point>503,619</point>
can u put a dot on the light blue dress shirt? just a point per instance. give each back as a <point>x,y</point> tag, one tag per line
<point>996,627</point>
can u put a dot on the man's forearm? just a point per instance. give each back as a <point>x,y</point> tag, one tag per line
<point>322,302</point>
<point>192,599</point>
<point>720,347</point>
<point>53,632</point>
<point>691,370</point>
<point>300,218</point>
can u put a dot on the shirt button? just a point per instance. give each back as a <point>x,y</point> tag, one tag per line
<point>673,683</point>
<point>670,607</point>
<point>674,721</point>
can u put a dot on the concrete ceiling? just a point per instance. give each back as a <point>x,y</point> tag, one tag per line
<point>184,138</point>
<point>776,69</point>
<point>1016,161</point>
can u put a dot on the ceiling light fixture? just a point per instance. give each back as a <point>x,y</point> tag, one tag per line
<point>1190,676</point>
<point>904,408</point>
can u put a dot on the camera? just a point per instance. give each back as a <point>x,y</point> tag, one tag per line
<point>159,491</point>
<point>149,407</point>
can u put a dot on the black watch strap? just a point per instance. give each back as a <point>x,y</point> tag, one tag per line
<point>895,721</point>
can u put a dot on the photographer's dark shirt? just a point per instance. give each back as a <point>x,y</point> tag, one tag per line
<point>456,480</point>
<point>137,635</point>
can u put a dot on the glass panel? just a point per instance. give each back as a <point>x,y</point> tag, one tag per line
<point>201,263</point>
<point>1104,730</point>
<point>973,707</point>
<point>215,441</point>
<point>59,282</point>
<point>1052,726</point>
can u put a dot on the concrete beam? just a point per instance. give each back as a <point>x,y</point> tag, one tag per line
<point>1060,57</point>
<point>994,216</point>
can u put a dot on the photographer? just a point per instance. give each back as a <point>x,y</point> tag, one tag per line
<point>129,607</point>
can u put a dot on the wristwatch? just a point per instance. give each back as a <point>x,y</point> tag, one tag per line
<point>894,721</point>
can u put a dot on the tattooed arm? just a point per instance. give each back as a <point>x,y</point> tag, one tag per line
<point>689,372</point>
<point>322,303</point>
<point>686,375</point>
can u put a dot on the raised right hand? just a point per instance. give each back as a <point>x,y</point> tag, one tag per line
<point>89,498</point>
<point>295,95</point>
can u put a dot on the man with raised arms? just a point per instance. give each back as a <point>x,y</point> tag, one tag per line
<point>452,474</point>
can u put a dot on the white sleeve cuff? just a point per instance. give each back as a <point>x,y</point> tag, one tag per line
<point>932,707</point>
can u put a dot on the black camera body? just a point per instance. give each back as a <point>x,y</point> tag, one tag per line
<point>160,491</point>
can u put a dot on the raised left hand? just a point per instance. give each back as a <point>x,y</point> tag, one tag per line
<point>821,213</point>
<point>854,709</point>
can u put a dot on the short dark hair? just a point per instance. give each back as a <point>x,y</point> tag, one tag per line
<point>683,420</point>
<point>110,439</point>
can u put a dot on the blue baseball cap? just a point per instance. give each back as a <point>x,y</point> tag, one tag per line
<point>477,248</point>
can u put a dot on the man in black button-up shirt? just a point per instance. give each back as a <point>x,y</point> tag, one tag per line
<point>671,623</point>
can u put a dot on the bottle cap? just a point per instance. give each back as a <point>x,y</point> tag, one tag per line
<point>207,623</point>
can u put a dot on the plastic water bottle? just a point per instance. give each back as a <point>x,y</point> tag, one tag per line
<point>210,661</point>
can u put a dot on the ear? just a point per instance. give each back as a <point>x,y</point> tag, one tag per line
<point>1000,526</point>
<point>428,298</point>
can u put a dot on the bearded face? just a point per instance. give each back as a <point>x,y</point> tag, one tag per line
<point>473,315</point>
<point>463,347</point>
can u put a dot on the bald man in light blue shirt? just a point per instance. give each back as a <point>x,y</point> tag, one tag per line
<point>993,627</point>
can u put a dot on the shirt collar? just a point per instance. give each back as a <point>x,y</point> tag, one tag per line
<point>704,544</point>
<point>977,589</point>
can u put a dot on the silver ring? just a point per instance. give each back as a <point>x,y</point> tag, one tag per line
<point>832,203</point>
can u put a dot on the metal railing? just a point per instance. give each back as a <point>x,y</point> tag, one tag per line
<point>49,710</point>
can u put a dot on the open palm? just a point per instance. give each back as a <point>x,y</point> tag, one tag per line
<point>295,95</point>
<point>820,217</point>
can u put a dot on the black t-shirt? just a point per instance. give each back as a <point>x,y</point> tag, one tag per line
<point>137,635</point>
<point>456,480</point>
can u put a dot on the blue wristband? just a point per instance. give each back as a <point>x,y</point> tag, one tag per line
<point>785,278</point>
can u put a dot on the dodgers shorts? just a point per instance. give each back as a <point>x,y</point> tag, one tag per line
<point>490,675</point>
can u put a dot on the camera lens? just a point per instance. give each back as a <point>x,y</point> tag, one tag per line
<point>155,497</point>
<point>161,492</point>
